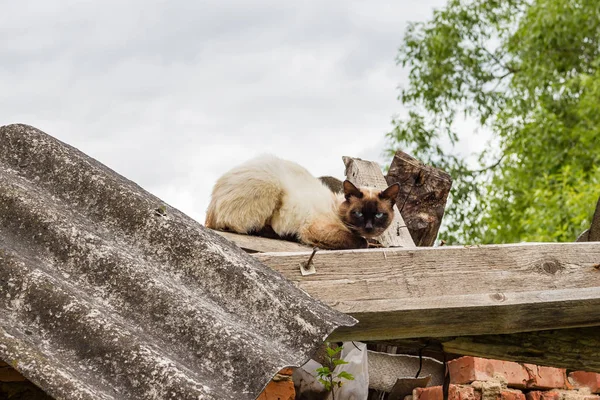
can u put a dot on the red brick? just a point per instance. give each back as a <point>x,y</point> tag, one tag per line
<point>512,395</point>
<point>539,395</point>
<point>286,371</point>
<point>547,377</point>
<point>9,374</point>
<point>281,387</point>
<point>282,390</point>
<point>581,379</point>
<point>455,392</point>
<point>469,369</point>
<point>560,394</point>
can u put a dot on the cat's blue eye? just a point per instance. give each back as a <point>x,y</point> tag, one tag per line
<point>358,214</point>
<point>378,215</point>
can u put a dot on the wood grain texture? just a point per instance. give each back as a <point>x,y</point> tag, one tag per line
<point>453,291</point>
<point>422,198</point>
<point>573,348</point>
<point>577,348</point>
<point>257,244</point>
<point>368,173</point>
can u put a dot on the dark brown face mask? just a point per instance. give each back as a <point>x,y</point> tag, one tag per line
<point>366,212</point>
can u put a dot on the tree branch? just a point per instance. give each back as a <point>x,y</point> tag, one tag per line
<point>504,76</point>
<point>489,167</point>
<point>500,63</point>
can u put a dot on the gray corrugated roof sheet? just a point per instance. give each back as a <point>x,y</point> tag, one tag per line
<point>106,292</point>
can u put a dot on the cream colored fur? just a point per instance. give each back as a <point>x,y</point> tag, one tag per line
<point>270,191</point>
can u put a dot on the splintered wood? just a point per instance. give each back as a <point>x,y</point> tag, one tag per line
<point>368,173</point>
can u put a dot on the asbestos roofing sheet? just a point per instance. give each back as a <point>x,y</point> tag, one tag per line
<point>106,292</point>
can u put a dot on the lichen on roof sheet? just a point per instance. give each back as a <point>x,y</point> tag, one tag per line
<point>106,292</point>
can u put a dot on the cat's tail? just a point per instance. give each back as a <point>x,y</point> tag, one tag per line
<point>242,207</point>
<point>210,220</point>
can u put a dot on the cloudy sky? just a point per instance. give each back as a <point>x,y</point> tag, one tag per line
<point>173,93</point>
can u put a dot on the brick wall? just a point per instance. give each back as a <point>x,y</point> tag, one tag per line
<point>475,378</point>
<point>280,388</point>
<point>471,378</point>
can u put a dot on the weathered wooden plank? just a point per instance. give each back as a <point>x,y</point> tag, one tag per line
<point>422,198</point>
<point>454,291</point>
<point>368,173</point>
<point>257,244</point>
<point>568,348</point>
<point>574,348</point>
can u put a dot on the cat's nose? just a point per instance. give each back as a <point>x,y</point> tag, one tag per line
<point>369,226</point>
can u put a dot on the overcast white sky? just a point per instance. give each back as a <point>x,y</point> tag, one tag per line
<point>173,93</point>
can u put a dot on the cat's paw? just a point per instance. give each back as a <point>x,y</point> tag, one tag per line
<point>360,243</point>
<point>374,244</point>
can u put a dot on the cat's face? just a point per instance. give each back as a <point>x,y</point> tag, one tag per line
<point>368,212</point>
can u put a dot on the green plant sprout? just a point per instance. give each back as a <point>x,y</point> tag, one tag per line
<point>326,373</point>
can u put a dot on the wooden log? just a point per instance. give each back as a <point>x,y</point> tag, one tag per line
<point>368,173</point>
<point>422,198</point>
<point>257,244</point>
<point>574,348</point>
<point>593,233</point>
<point>453,291</point>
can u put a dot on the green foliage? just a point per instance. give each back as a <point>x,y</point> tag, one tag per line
<point>527,72</point>
<point>326,373</point>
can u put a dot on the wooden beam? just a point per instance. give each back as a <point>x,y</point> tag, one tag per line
<point>574,348</point>
<point>422,198</point>
<point>257,244</point>
<point>568,348</point>
<point>368,173</point>
<point>453,291</point>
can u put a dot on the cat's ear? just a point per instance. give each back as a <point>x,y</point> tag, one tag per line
<point>390,193</point>
<point>351,190</point>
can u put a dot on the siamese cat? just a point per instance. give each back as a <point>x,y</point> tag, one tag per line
<point>273,197</point>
